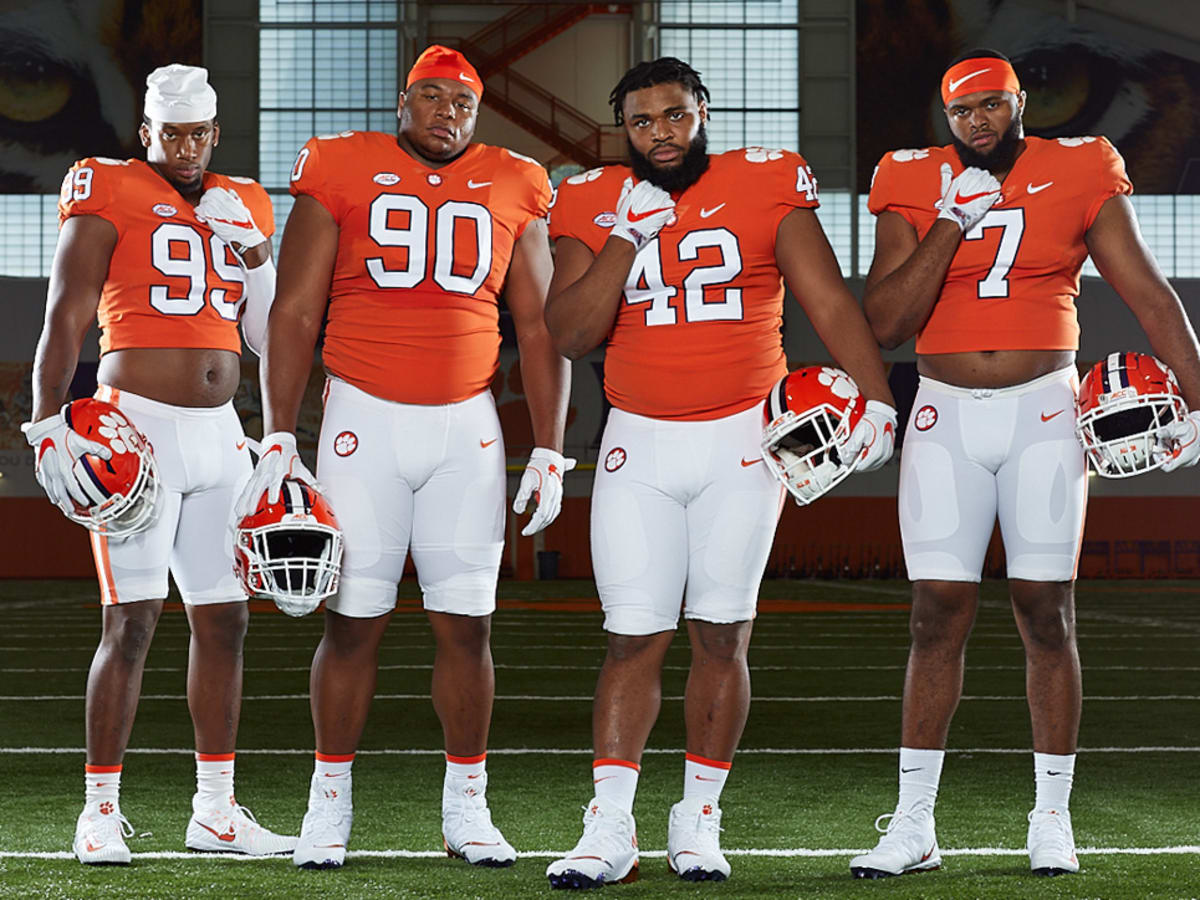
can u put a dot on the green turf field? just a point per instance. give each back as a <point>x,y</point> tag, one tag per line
<point>817,763</point>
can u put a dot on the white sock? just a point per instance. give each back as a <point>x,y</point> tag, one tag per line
<point>214,780</point>
<point>920,775</point>
<point>1053,775</point>
<point>466,766</point>
<point>615,781</point>
<point>704,777</point>
<point>332,773</point>
<point>102,783</point>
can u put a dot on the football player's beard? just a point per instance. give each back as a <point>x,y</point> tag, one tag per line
<point>1001,157</point>
<point>677,178</point>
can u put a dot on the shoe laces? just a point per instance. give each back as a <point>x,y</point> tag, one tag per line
<point>606,830</point>
<point>113,825</point>
<point>1051,831</point>
<point>707,827</point>
<point>904,828</point>
<point>329,806</point>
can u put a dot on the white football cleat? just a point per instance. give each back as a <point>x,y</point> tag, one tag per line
<point>325,832</point>
<point>694,841</point>
<point>467,829</point>
<point>1051,843</point>
<point>100,835</point>
<point>232,829</point>
<point>909,844</point>
<point>607,853</point>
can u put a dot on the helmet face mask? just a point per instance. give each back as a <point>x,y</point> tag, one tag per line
<point>809,413</point>
<point>290,551</point>
<point>124,488</point>
<point>1125,401</point>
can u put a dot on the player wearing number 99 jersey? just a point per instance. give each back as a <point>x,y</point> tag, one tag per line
<point>403,242</point>
<point>167,256</point>
<point>682,275</point>
<point>978,252</point>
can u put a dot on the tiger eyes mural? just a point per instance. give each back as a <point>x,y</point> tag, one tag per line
<point>1102,74</point>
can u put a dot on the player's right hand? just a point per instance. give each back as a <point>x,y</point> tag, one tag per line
<point>277,459</point>
<point>967,197</point>
<point>55,448</point>
<point>642,212</point>
<point>228,217</point>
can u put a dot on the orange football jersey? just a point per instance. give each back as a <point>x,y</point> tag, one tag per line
<point>697,335</point>
<point>171,281</point>
<point>1013,282</point>
<point>422,255</point>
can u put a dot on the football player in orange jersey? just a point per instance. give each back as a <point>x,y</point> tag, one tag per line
<point>166,254</point>
<point>978,253</point>
<point>404,242</point>
<point>681,277</point>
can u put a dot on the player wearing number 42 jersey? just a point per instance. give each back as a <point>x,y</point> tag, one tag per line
<point>682,275</point>
<point>404,241</point>
<point>978,252</point>
<point>167,256</point>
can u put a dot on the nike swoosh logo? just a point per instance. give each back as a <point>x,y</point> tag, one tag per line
<point>602,778</point>
<point>705,213</point>
<point>1049,772</point>
<point>227,837</point>
<point>485,444</point>
<point>959,198</point>
<point>913,769</point>
<point>954,84</point>
<point>1034,188</point>
<point>1047,418</point>
<point>463,76</point>
<point>747,463</point>
<point>241,445</point>
<point>927,855</point>
<point>637,217</point>
<point>477,184</point>
<point>92,848</point>
<point>702,778</point>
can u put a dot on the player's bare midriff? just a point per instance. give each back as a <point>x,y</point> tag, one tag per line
<point>992,368</point>
<point>180,376</point>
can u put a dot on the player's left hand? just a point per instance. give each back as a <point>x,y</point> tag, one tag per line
<point>873,439</point>
<point>1183,442</point>
<point>228,217</point>
<point>542,481</point>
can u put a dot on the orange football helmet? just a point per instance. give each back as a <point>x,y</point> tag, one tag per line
<point>123,489</point>
<point>808,414</point>
<point>1124,402</point>
<point>290,550</point>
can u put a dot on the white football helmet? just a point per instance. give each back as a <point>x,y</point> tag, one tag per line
<point>291,550</point>
<point>123,489</point>
<point>809,412</point>
<point>1124,402</point>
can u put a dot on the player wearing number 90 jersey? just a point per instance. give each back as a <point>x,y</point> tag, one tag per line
<point>421,258</point>
<point>978,251</point>
<point>681,276</point>
<point>402,243</point>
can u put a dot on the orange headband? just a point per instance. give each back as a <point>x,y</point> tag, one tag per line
<point>981,73</point>
<point>442,62</point>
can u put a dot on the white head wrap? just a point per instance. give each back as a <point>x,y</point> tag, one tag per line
<point>178,93</point>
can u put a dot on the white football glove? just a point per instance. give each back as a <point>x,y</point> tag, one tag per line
<point>873,438</point>
<point>967,198</point>
<point>277,460</point>
<point>543,482</point>
<point>642,212</point>
<point>1183,441</point>
<point>228,217</point>
<point>55,448</point>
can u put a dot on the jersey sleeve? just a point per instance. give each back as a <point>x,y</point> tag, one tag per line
<point>1109,177</point>
<point>585,207</point>
<point>792,182</point>
<point>88,189</point>
<point>534,201</point>
<point>314,174</point>
<point>258,201</point>
<point>892,185</point>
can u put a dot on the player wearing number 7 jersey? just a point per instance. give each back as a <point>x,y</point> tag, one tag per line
<point>978,252</point>
<point>404,241</point>
<point>682,275</point>
<point>167,256</point>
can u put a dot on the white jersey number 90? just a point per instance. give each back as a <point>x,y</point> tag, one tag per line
<point>414,238</point>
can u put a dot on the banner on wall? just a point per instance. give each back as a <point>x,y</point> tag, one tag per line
<point>1121,77</point>
<point>75,74</point>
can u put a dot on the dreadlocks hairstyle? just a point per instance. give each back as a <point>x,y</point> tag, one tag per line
<point>657,71</point>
